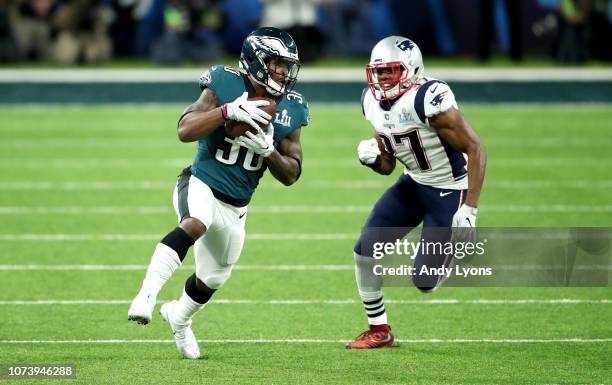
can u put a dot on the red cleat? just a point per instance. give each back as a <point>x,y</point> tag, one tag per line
<point>378,336</point>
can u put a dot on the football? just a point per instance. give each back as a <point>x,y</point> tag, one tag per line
<point>235,129</point>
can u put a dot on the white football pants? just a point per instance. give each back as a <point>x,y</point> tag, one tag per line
<point>219,248</point>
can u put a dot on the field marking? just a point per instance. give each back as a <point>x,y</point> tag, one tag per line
<point>286,209</point>
<point>340,143</point>
<point>177,163</point>
<point>89,163</point>
<point>524,235</point>
<point>559,301</point>
<point>155,237</point>
<point>136,267</point>
<point>144,267</point>
<point>316,341</point>
<point>80,210</point>
<point>252,236</point>
<point>321,184</point>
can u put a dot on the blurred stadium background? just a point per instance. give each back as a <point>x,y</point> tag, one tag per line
<point>177,31</point>
<point>89,96</point>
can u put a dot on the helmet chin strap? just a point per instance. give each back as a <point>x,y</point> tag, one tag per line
<point>271,90</point>
<point>392,93</point>
<point>268,85</point>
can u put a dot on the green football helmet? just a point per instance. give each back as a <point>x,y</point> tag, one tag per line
<point>268,51</point>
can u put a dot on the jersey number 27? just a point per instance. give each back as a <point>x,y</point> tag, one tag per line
<point>413,140</point>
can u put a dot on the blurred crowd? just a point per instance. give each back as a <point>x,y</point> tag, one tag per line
<point>174,31</point>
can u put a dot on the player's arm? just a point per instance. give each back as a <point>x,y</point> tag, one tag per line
<point>387,164</point>
<point>285,163</point>
<point>384,164</point>
<point>201,118</point>
<point>373,156</point>
<point>452,126</point>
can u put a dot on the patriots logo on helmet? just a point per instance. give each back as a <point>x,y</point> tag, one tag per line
<point>405,45</point>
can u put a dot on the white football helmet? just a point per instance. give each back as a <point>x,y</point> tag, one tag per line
<point>395,66</point>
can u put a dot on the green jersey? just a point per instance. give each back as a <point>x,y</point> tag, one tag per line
<point>231,171</point>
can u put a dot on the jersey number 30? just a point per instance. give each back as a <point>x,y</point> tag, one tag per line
<point>230,151</point>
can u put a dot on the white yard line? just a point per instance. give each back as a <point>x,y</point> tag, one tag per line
<point>558,301</point>
<point>34,142</point>
<point>286,209</point>
<point>90,163</point>
<point>143,267</point>
<point>321,184</point>
<point>155,237</point>
<point>39,267</point>
<point>553,234</point>
<point>314,341</point>
<point>80,210</point>
<point>355,104</point>
<point>126,163</point>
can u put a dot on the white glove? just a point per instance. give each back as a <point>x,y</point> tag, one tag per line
<point>465,216</point>
<point>261,143</point>
<point>248,111</point>
<point>368,151</point>
<point>464,224</point>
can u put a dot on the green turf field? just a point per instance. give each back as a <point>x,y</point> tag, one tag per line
<point>85,194</point>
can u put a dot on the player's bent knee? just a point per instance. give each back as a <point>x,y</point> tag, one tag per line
<point>196,290</point>
<point>425,284</point>
<point>194,227</point>
<point>425,290</point>
<point>216,279</point>
<point>357,247</point>
<point>203,287</point>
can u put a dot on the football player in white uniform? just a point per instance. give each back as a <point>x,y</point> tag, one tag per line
<point>418,123</point>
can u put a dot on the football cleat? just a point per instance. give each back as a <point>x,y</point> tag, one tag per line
<point>186,342</point>
<point>377,336</point>
<point>141,309</point>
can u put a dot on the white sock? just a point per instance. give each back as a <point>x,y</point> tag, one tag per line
<point>163,264</point>
<point>185,309</point>
<point>370,290</point>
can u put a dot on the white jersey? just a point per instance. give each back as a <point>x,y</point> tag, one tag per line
<point>403,126</point>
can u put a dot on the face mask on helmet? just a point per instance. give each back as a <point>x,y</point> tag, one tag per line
<point>281,73</point>
<point>388,80</point>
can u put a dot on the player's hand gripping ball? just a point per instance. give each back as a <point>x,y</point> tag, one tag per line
<point>251,108</point>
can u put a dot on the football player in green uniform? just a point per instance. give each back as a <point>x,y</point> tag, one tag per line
<point>212,195</point>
